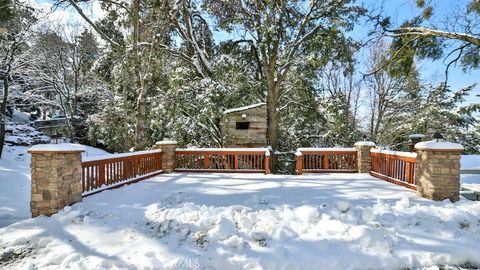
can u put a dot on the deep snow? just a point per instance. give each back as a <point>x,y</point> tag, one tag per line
<point>249,221</point>
<point>470,182</point>
<point>15,182</point>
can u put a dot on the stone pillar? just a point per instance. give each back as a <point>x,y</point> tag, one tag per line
<point>168,155</point>
<point>364,160</point>
<point>438,170</point>
<point>56,177</point>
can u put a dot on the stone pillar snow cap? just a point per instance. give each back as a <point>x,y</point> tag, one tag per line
<point>365,143</point>
<point>57,148</point>
<point>434,145</point>
<point>165,142</point>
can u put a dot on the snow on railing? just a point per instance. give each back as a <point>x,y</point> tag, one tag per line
<point>104,172</point>
<point>223,160</point>
<point>311,160</point>
<point>394,166</point>
<point>119,155</point>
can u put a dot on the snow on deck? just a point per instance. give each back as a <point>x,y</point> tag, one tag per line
<point>249,221</point>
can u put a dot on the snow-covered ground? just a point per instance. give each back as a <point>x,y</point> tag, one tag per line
<point>470,181</point>
<point>15,182</point>
<point>249,221</point>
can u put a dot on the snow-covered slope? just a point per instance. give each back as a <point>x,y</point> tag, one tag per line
<point>24,135</point>
<point>228,221</point>
<point>470,181</point>
<point>15,182</point>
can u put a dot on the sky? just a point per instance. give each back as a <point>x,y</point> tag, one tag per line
<point>397,10</point>
<point>431,71</point>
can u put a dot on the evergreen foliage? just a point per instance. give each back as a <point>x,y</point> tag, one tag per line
<point>152,70</point>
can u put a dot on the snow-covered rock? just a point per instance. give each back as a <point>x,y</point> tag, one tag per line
<point>23,134</point>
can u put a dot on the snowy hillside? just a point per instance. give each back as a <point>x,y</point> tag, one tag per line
<point>15,182</point>
<point>24,135</point>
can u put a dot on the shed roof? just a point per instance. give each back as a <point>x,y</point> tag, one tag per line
<point>244,108</point>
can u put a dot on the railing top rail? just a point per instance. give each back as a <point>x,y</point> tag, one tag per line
<point>332,150</point>
<point>326,149</point>
<point>120,156</point>
<point>224,150</point>
<point>393,154</point>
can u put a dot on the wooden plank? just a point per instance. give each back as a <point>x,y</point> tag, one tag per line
<point>397,157</point>
<point>220,170</point>
<point>329,171</point>
<point>392,180</point>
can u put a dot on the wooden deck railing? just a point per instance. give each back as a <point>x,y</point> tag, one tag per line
<point>223,160</point>
<point>311,160</point>
<point>99,174</point>
<point>395,167</point>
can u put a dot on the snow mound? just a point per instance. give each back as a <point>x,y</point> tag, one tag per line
<point>393,235</point>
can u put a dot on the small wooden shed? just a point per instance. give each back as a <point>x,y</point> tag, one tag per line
<point>246,126</point>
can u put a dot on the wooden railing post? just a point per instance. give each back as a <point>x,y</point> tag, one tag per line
<point>267,162</point>
<point>407,172</point>
<point>206,159</point>
<point>325,161</point>
<point>101,174</point>
<point>389,167</point>
<point>299,157</point>
<point>235,160</point>
<point>135,167</point>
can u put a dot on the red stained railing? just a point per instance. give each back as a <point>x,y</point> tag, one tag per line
<point>395,167</point>
<point>223,160</point>
<point>100,174</point>
<point>313,160</point>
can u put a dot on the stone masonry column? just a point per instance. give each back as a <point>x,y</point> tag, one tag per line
<point>364,161</point>
<point>168,155</point>
<point>438,170</point>
<point>56,177</point>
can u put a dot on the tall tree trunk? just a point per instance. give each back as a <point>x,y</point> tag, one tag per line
<point>273,89</point>
<point>3,114</point>
<point>140,125</point>
<point>140,105</point>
